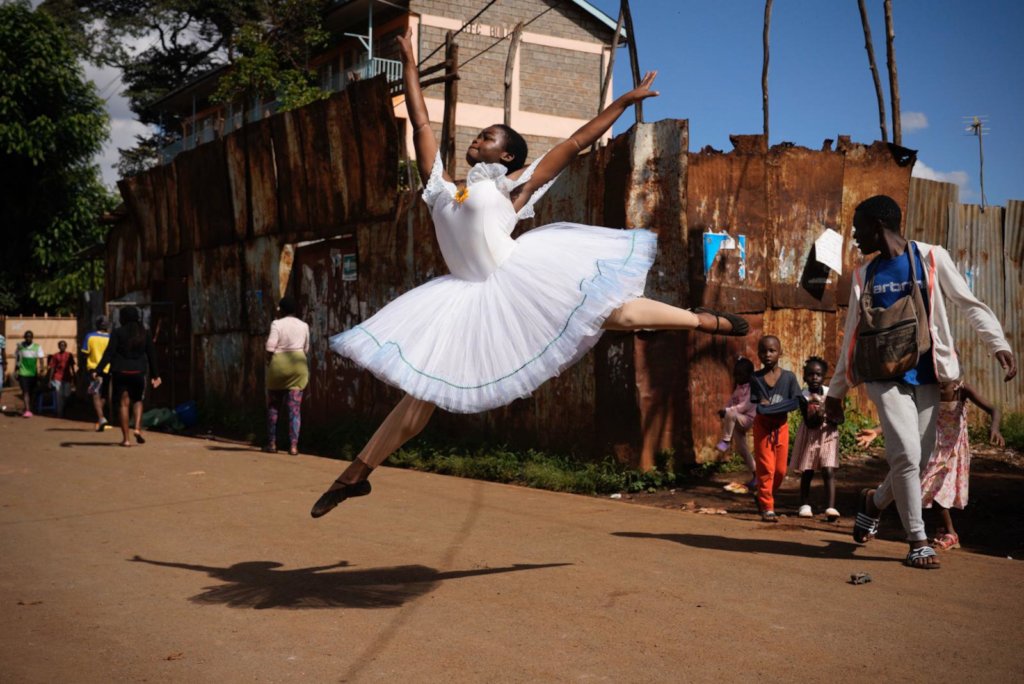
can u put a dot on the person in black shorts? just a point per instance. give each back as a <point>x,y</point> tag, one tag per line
<point>130,355</point>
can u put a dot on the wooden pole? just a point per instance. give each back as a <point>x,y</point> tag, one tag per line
<point>764,65</point>
<point>607,81</point>
<point>634,62</point>
<point>894,85</point>
<point>451,98</point>
<point>510,62</point>
<point>870,47</point>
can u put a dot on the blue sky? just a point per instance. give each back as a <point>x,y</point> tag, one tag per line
<point>954,59</point>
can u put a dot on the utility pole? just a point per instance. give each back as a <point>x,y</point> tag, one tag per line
<point>634,61</point>
<point>764,66</point>
<point>869,46</point>
<point>451,100</point>
<point>978,125</point>
<point>894,85</point>
<point>510,62</point>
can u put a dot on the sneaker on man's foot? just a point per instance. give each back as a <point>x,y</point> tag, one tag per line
<point>26,414</point>
<point>723,446</point>
<point>805,512</point>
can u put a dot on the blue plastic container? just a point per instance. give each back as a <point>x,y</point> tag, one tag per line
<point>188,413</point>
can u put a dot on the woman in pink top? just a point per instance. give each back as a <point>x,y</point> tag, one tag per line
<point>287,374</point>
<point>738,414</point>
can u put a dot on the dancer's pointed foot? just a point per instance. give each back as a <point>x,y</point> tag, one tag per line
<point>721,322</point>
<point>339,491</point>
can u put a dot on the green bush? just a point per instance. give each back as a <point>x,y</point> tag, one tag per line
<point>1012,428</point>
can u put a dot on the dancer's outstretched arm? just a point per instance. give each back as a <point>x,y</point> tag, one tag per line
<point>562,154</point>
<point>422,135</point>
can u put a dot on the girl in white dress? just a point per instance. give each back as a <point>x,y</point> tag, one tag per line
<point>513,313</point>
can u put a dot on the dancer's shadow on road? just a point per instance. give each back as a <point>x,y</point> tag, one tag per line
<point>67,445</point>
<point>832,548</point>
<point>260,584</point>
<point>231,448</point>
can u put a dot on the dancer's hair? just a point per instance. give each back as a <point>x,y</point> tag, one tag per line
<point>816,360</point>
<point>287,306</point>
<point>515,145</point>
<point>883,208</point>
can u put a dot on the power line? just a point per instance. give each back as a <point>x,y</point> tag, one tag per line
<point>503,38</point>
<point>463,28</point>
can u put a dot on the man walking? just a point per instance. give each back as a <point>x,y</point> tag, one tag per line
<point>93,346</point>
<point>28,364</point>
<point>907,405</point>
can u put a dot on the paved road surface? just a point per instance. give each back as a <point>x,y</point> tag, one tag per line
<point>191,561</point>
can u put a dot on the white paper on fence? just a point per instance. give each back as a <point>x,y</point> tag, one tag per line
<point>828,249</point>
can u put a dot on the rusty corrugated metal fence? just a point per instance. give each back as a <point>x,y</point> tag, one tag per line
<point>225,216</point>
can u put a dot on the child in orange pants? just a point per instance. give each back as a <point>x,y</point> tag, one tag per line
<point>776,392</point>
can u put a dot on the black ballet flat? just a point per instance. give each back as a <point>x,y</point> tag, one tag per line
<point>331,498</point>
<point>739,325</point>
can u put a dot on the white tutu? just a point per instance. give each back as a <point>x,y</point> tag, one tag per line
<point>469,346</point>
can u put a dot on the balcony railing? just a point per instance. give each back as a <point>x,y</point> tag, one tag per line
<point>233,119</point>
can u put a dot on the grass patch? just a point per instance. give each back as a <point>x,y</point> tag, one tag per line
<point>531,467</point>
<point>1012,427</point>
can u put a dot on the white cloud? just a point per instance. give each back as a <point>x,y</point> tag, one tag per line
<point>913,121</point>
<point>922,170</point>
<point>123,124</point>
<point>959,178</point>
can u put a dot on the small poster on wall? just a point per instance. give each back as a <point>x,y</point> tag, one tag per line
<point>349,270</point>
<point>721,241</point>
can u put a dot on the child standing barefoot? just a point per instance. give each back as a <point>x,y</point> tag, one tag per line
<point>738,416</point>
<point>944,480</point>
<point>775,392</point>
<point>817,442</point>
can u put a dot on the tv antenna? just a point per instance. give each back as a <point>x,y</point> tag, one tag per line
<point>978,126</point>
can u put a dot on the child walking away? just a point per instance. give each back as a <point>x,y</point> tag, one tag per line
<point>817,441</point>
<point>775,392</point>
<point>513,312</point>
<point>738,416</point>
<point>944,480</point>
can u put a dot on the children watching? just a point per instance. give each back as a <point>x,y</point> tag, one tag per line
<point>817,441</point>
<point>775,392</point>
<point>738,415</point>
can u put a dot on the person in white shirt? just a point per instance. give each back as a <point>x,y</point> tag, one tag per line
<point>907,405</point>
<point>287,373</point>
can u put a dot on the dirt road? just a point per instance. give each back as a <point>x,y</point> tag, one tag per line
<point>190,561</point>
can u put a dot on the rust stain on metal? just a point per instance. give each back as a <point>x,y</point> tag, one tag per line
<point>805,197</point>
<point>221,215</point>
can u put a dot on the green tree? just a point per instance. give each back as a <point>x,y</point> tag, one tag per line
<point>52,124</point>
<point>270,57</point>
<point>264,42</point>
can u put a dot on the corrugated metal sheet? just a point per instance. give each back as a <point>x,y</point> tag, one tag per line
<point>976,246</point>
<point>726,192</point>
<point>323,172</point>
<point>263,200</point>
<point>805,196</point>
<point>930,210</point>
<point>215,297</point>
<point>262,257</point>
<point>1013,300</point>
